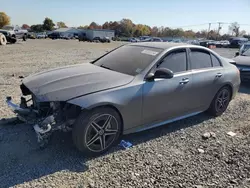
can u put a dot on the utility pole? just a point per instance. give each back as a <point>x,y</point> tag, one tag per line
<point>209,26</point>
<point>219,28</point>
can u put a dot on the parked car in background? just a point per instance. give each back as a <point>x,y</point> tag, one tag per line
<point>225,43</point>
<point>194,42</point>
<point>142,38</point>
<point>99,39</point>
<point>153,82</point>
<point>82,37</point>
<point>55,35</point>
<point>206,43</point>
<point>244,47</point>
<point>242,62</point>
<point>12,33</point>
<point>67,36</point>
<point>133,39</point>
<point>76,35</point>
<point>106,39</point>
<point>156,39</point>
<point>236,42</point>
<point>152,39</point>
<point>42,35</point>
<point>31,35</point>
<point>177,40</point>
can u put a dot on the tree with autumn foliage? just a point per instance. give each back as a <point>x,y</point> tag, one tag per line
<point>4,19</point>
<point>48,24</point>
<point>25,26</point>
<point>61,25</point>
<point>94,25</point>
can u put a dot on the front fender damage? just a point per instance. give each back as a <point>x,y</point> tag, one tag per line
<point>45,117</point>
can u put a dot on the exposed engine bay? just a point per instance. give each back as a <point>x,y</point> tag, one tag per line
<point>46,117</point>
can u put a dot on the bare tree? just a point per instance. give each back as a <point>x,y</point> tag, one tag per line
<point>243,32</point>
<point>234,28</point>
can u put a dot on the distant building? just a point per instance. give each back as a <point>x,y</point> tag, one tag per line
<point>68,30</point>
<point>89,33</point>
<point>102,33</point>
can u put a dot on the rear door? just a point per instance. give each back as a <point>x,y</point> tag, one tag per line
<point>208,76</point>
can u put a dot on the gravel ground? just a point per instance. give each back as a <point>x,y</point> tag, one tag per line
<point>174,155</point>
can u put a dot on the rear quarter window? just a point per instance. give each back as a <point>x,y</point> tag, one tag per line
<point>215,61</point>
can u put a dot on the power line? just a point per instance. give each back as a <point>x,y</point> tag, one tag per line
<point>221,23</point>
<point>191,25</point>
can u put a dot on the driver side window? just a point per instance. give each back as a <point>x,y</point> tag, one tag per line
<point>176,61</point>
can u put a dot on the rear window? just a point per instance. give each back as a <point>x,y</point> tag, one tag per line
<point>131,60</point>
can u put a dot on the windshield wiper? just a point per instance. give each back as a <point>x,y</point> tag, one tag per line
<point>105,67</point>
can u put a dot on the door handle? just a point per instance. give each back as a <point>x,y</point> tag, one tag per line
<point>218,75</point>
<point>184,81</point>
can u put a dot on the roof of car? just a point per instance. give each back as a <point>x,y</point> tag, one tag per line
<point>162,45</point>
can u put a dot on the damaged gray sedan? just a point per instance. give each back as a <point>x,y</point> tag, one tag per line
<point>132,88</point>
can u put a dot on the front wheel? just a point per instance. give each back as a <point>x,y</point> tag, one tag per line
<point>96,131</point>
<point>220,101</point>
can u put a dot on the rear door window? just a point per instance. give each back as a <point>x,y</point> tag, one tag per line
<point>200,59</point>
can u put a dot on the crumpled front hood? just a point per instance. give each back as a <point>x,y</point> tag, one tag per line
<point>242,60</point>
<point>62,84</point>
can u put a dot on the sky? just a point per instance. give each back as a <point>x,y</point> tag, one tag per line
<point>187,14</point>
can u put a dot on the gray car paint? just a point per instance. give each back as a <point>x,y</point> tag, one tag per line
<point>243,64</point>
<point>68,82</point>
<point>142,104</point>
<point>242,60</point>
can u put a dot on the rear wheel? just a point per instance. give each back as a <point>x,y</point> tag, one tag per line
<point>24,37</point>
<point>3,40</point>
<point>220,101</point>
<point>96,131</point>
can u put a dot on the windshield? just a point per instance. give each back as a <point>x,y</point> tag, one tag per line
<point>245,48</point>
<point>9,28</point>
<point>246,52</point>
<point>130,60</point>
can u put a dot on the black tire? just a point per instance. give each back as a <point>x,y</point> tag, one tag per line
<point>91,126</point>
<point>220,102</point>
<point>3,40</point>
<point>24,37</point>
<point>13,41</point>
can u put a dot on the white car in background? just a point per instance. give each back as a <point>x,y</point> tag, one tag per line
<point>133,39</point>
<point>41,35</point>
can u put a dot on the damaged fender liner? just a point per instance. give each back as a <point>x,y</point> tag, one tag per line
<point>45,118</point>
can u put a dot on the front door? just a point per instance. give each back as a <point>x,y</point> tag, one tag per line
<point>165,99</point>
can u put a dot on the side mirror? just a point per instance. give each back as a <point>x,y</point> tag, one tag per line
<point>237,54</point>
<point>163,73</point>
<point>160,73</point>
<point>15,30</point>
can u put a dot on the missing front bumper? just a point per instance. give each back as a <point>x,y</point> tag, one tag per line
<point>42,126</point>
<point>45,118</point>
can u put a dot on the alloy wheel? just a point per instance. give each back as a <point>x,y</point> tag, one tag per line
<point>101,132</point>
<point>222,100</point>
